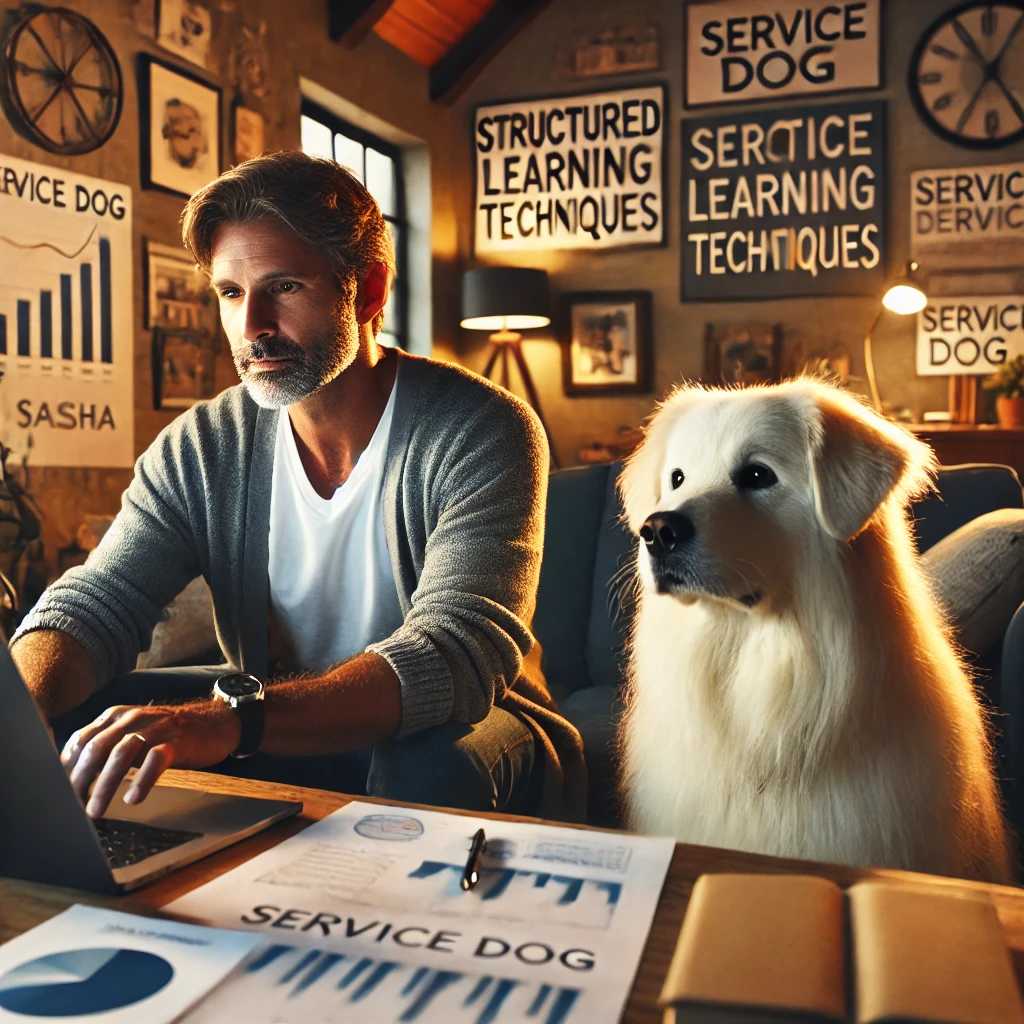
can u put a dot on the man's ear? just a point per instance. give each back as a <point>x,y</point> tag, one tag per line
<point>859,461</point>
<point>373,292</point>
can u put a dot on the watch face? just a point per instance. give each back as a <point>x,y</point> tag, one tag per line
<point>967,75</point>
<point>238,684</point>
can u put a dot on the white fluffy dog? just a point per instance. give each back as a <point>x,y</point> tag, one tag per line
<point>793,686</point>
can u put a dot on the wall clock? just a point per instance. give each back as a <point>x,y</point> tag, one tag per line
<point>61,82</point>
<point>967,75</point>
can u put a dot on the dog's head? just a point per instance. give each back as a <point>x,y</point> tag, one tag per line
<point>734,491</point>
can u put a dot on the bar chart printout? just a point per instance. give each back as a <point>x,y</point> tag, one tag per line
<point>363,919</point>
<point>66,351</point>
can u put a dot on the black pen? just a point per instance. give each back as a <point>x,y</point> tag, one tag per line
<point>476,850</point>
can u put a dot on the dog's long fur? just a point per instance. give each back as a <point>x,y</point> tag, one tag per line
<point>833,719</point>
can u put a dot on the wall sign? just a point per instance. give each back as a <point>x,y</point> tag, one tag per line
<point>968,216</point>
<point>743,50</point>
<point>66,338</point>
<point>969,335</point>
<point>578,172</point>
<point>784,202</point>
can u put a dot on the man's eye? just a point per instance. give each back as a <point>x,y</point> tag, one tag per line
<point>755,477</point>
<point>286,286</point>
<point>677,478</point>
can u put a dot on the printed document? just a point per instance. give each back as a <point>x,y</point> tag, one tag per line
<point>362,918</point>
<point>97,965</point>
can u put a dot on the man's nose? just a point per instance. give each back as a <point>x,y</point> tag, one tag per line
<point>257,321</point>
<point>664,532</point>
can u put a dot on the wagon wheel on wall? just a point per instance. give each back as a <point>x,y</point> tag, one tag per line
<point>62,82</point>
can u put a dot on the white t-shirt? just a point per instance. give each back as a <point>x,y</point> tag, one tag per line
<point>332,588</point>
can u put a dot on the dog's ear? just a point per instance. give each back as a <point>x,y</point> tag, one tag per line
<point>859,461</point>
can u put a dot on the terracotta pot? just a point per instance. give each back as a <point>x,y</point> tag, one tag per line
<point>1010,411</point>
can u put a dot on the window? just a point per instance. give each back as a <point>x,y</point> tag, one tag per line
<point>378,165</point>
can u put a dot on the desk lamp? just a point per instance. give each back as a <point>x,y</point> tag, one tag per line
<point>506,300</point>
<point>905,295</point>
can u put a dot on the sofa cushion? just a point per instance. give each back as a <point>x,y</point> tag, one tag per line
<point>595,712</point>
<point>185,635</point>
<point>611,606</point>
<point>979,576</point>
<point>576,502</point>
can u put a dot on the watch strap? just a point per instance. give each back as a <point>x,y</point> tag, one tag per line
<point>251,715</point>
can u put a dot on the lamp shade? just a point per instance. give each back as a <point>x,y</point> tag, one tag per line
<point>906,294</point>
<point>505,298</point>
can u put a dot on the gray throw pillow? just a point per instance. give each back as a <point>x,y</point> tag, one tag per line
<point>978,572</point>
<point>185,635</point>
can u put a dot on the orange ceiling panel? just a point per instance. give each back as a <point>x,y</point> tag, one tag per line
<point>426,30</point>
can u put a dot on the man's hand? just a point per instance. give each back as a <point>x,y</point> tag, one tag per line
<point>151,739</point>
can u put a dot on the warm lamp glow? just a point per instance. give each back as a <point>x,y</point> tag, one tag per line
<point>905,299</point>
<point>514,322</point>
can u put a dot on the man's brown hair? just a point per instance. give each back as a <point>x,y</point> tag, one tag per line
<point>322,202</point>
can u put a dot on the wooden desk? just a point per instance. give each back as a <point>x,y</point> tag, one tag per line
<point>23,905</point>
<point>956,443</point>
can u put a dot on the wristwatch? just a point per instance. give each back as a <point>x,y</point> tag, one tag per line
<point>244,692</point>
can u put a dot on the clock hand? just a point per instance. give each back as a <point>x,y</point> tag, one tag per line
<point>967,39</point>
<point>1017,108</point>
<point>969,109</point>
<point>1009,39</point>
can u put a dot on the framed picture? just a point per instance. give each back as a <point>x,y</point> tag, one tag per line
<point>183,367</point>
<point>606,342</point>
<point>742,353</point>
<point>177,294</point>
<point>179,120</point>
<point>183,27</point>
<point>249,138</point>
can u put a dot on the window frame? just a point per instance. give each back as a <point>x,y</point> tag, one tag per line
<point>400,286</point>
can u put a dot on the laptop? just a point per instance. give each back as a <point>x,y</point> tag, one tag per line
<point>46,836</point>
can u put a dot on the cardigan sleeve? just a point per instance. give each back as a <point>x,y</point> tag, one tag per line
<point>112,602</point>
<point>463,640</point>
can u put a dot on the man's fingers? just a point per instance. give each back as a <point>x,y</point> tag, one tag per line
<point>157,761</point>
<point>125,753</point>
<point>77,740</point>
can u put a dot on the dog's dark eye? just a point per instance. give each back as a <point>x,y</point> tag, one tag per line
<point>755,477</point>
<point>677,478</point>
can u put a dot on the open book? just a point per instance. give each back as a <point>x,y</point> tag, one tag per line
<point>757,948</point>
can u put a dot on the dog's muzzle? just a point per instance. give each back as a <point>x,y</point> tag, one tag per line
<point>665,532</point>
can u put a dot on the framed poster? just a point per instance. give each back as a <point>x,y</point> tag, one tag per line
<point>786,202</point>
<point>576,172</point>
<point>179,119</point>
<point>249,134</point>
<point>183,367</point>
<point>66,317</point>
<point>606,342</point>
<point>743,50</point>
<point>973,334</point>
<point>742,353</point>
<point>183,27</point>
<point>177,294</point>
<point>968,217</point>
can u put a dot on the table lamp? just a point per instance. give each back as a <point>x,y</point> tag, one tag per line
<point>905,295</point>
<point>506,300</point>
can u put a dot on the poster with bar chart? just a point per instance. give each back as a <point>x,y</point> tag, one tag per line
<point>66,323</point>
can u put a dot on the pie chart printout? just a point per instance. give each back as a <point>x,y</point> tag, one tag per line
<point>83,981</point>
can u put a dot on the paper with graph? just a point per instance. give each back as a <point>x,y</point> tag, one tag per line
<point>364,919</point>
<point>67,349</point>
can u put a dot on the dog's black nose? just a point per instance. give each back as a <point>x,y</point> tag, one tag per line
<point>665,531</point>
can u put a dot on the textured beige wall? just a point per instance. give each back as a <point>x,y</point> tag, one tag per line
<point>375,77</point>
<point>527,68</point>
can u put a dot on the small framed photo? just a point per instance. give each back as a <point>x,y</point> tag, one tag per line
<point>183,27</point>
<point>183,368</point>
<point>606,342</point>
<point>742,353</point>
<point>179,120</point>
<point>177,294</point>
<point>249,135</point>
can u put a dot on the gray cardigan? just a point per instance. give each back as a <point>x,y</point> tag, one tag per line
<point>463,500</point>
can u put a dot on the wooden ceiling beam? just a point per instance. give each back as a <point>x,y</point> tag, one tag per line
<point>348,21</point>
<point>454,72</point>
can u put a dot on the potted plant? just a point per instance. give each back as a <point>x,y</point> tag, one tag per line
<point>1008,384</point>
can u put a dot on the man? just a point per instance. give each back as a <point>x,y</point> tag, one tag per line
<point>383,513</point>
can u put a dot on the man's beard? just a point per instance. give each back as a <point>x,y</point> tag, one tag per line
<point>312,366</point>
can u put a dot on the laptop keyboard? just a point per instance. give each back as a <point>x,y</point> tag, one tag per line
<point>127,842</point>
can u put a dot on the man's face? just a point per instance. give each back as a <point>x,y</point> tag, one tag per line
<point>290,328</point>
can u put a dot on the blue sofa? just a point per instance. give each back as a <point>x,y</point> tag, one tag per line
<point>583,610</point>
